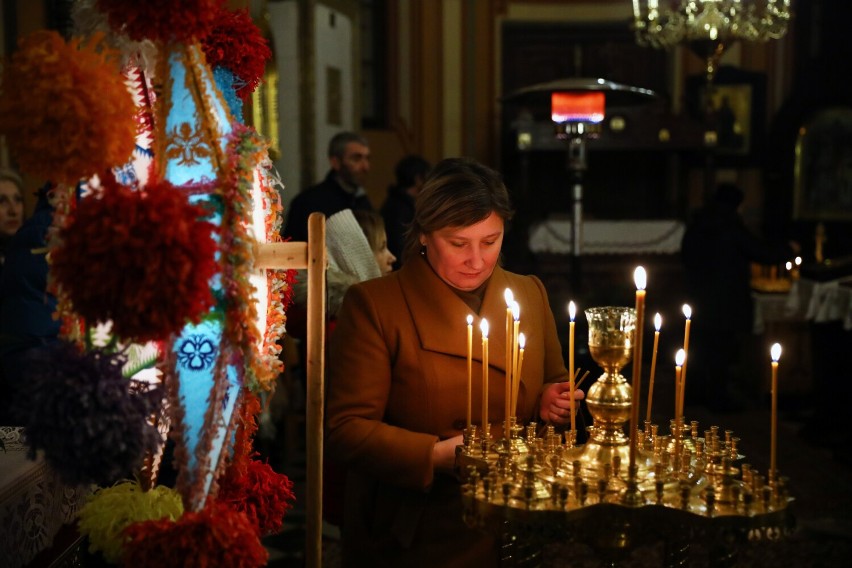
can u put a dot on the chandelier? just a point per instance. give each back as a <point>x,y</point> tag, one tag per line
<point>708,27</point>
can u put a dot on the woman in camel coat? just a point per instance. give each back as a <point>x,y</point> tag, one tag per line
<point>397,392</point>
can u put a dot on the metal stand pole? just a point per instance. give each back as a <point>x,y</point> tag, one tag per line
<point>576,166</point>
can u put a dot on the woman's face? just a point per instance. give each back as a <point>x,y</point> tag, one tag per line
<point>384,257</point>
<point>464,257</point>
<point>11,208</point>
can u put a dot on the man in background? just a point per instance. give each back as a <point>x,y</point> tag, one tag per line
<point>342,188</point>
<point>718,250</point>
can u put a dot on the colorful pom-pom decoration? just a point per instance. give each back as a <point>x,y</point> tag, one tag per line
<point>111,509</point>
<point>142,259</point>
<point>263,495</point>
<point>215,536</point>
<point>91,421</point>
<point>161,20</point>
<point>64,108</point>
<point>236,44</point>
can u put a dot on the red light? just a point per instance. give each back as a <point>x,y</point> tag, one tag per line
<point>577,107</point>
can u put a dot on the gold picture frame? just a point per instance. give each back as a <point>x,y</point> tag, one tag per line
<point>733,107</point>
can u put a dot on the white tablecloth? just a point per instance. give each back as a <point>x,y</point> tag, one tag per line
<point>34,503</point>
<point>608,237</point>
<point>808,300</point>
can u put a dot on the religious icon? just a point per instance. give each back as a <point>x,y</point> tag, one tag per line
<point>823,170</point>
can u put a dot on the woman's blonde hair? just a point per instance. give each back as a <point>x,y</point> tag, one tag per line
<point>373,226</point>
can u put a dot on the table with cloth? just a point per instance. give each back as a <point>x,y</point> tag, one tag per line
<point>34,503</point>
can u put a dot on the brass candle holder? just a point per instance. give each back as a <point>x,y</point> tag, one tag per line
<point>540,482</point>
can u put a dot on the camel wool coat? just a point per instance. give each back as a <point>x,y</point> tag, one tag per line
<point>397,384</point>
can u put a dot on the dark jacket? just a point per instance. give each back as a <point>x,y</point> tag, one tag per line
<point>327,197</point>
<point>26,307</point>
<point>398,212</point>
<point>718,250</point>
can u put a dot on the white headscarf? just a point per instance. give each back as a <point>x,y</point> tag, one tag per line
<point>348,248</point>
<point>350,260</point>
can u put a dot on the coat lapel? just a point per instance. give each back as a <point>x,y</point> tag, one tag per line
<point>439,314</point>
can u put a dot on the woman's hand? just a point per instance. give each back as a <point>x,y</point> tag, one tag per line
<point>444,454</point>
<point>556,403</point>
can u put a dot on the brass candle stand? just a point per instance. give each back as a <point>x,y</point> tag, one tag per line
<point>685,483</point>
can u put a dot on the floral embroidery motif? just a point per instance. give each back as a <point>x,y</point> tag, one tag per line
<point>196,352</point>
<point>186,143</point>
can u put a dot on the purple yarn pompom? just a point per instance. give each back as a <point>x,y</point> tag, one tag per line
<point>91,421</point>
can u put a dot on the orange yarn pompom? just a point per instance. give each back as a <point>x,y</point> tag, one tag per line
<point>64,108</point>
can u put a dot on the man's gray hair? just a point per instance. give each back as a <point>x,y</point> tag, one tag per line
<point>337,146</point>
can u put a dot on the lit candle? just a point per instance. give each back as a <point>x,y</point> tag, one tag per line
<point>516,316</point>
<point>775,353</point>
<point>469,369</point>
<point>658,323</point>
<point>572,313</point>
<point>797,262</point>
<point>510,299</point>
<point>640,278</point>
<point>680,359</point>
<point>522,341</point>
<point>483,327</point>
<point>687,313</point>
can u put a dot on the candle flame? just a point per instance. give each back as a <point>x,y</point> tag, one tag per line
<point>483,327</point>
<point>788,265</point>
<point>522,340</point>
<point>509,297</point>
<point>572,310</point>
<point>469,319</point>
<point>516,311</point>
<point>687,311</point>
<point>775,352</point>
<point>798,260</point>
<point>680,357</point>
<point>658,321</point>
<point>640,278</point>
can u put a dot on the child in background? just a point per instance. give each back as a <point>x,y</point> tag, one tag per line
<point>374,228</point>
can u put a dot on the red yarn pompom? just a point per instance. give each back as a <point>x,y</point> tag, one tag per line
<point>161,20</point>
<point>142,259</point>
<point>64,108</point>
<point>215,536</point>
<point>263,495</point>
<point>236,44</point>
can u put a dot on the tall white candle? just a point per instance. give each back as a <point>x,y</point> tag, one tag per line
<point>658,323</point>
<point>680,357</point>
<point>510,300</point>
<point>687,313</point>
<point>469,369</point>
<point>572,313</point>
<point>483,327</point>
<point>775,353</point>
<point>522,341</point>
<point>640,278</point>
<point>516,323</point>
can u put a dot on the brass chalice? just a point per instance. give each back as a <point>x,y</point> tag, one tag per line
<point>611,337</point>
